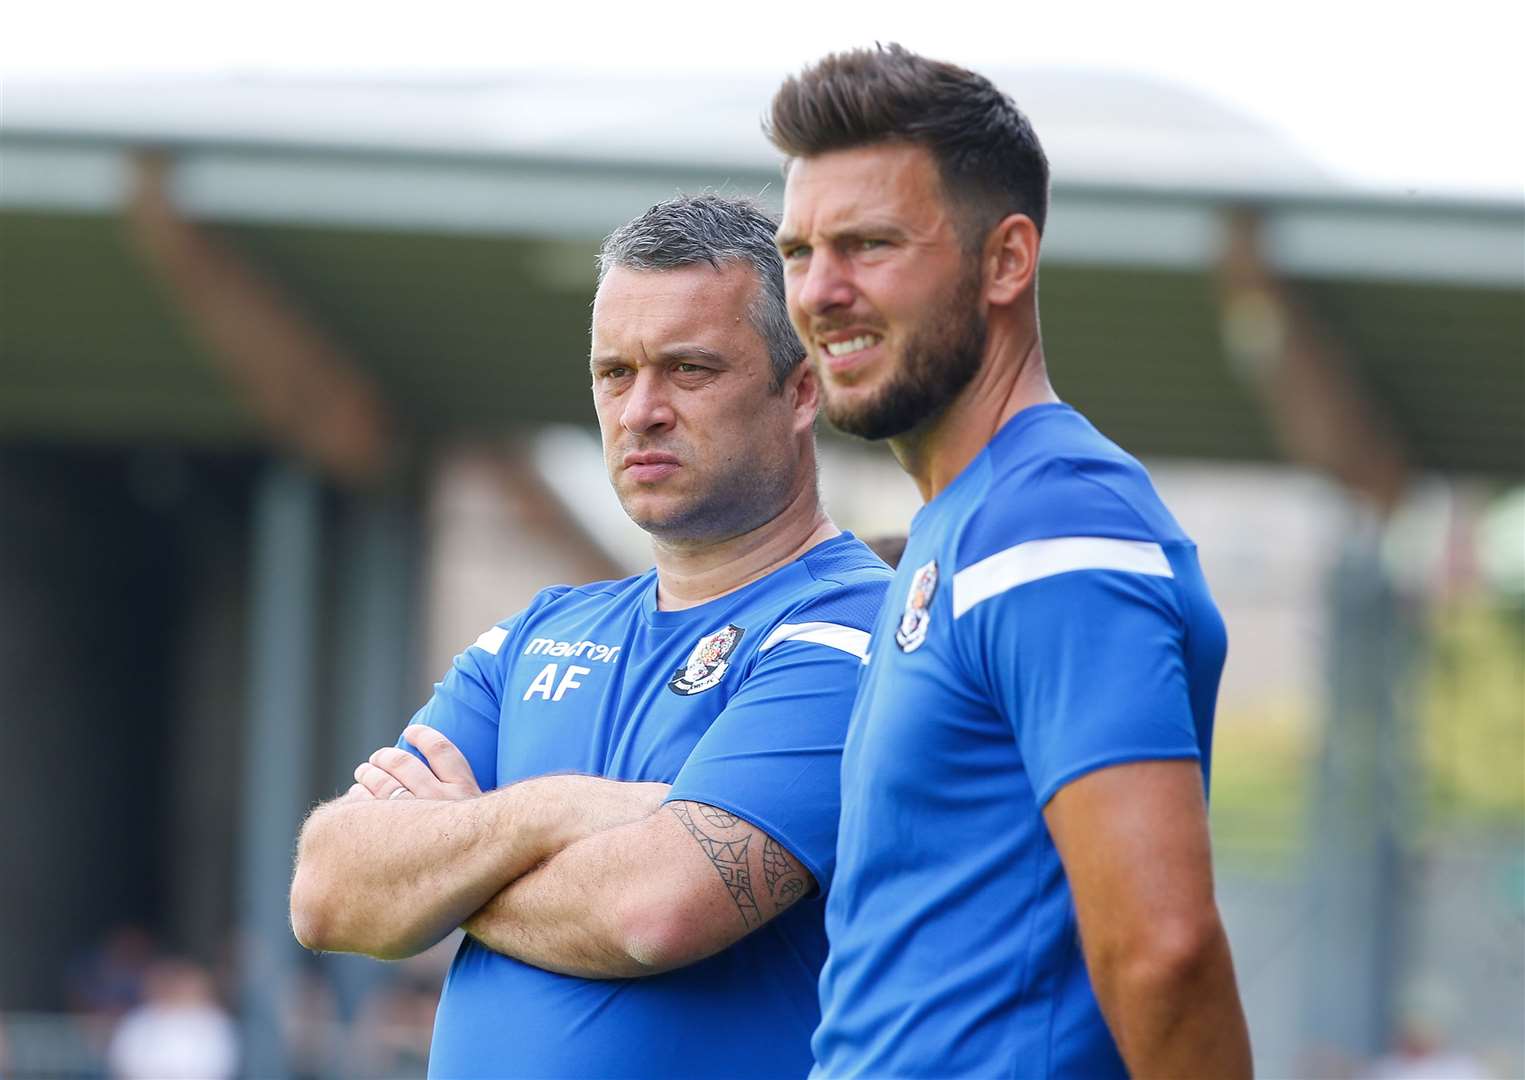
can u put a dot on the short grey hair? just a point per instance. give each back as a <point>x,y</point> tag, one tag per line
<point>714,229</point>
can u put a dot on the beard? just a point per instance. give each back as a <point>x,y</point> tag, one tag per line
<point>938,361</point>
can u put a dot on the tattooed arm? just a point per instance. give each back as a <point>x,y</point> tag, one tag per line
<point>644,898</point>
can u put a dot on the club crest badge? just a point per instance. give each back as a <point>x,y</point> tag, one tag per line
<point>918,609</point>
<point>707,664</point>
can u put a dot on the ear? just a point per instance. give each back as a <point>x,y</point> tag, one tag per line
<point>1011,259</point>
<point>804,391</point>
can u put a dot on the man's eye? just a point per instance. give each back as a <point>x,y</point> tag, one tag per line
<point>868,244</point>
<point>613,372</point>
<point>688,369</point>
<point>796,251</point>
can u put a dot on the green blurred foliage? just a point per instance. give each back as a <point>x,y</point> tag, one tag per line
<point>1472,702</point>
<point>1261,784</point>
<point>1470,745</point>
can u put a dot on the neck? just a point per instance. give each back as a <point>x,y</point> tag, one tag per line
<point>1011,378</point>
<point>693,574</point>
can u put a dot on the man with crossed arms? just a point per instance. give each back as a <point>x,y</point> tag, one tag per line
<point>728,672</point>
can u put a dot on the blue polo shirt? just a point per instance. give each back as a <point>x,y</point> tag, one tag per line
<point>1048,619</point>
<point>741,703</point>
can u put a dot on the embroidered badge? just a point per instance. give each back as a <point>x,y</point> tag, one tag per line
<point>918,609</point>
<point>707,664</point>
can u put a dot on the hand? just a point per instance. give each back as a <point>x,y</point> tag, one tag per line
<point>392,773</point>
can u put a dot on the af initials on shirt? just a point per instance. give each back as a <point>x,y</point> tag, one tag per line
<point>542,685</point>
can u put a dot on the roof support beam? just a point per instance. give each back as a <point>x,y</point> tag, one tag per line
<point>1357,880</point>
<point>313,399</point>
<point>1317,408</point>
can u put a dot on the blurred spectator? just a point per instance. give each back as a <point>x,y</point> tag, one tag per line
<point>1420,1052</point>
<point>1417,1058</point>
<point>107,979</point>
<point>180,1031</point>
<point>311,1027</point>
<point>393,1030</point>
<point>396,1022</point>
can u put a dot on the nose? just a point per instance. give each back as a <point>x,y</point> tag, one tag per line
<point>824,285</point>
<point>645,406</point>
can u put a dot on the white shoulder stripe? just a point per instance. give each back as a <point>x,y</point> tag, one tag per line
<point>845,638</point>
<point>491,640</point>
<point>1044,558</point>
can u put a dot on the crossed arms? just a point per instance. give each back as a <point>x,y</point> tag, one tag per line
<point>575,874</point>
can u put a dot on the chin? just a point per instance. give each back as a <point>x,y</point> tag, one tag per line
<point>641,508</point>
<point>659,517</point>
<point>857,414</point>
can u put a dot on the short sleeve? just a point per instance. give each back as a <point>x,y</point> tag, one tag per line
<point>466,705</point>
<point>774,755</point>
<point>1089,669</point>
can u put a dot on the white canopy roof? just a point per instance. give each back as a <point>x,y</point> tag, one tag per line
<point>1141,168</point>
<point>1099,128</point>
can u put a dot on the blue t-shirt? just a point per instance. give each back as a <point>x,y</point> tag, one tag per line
<point>741,703</point>
<point>1048,619</point>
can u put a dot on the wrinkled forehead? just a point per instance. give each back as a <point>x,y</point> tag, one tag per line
<point>699,303</point>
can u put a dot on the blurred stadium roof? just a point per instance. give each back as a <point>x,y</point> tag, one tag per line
<point>443,232</point>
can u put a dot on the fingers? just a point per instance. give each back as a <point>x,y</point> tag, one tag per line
<point>408,771</point>
<point>377,783</point>
<point>447,762</point>
<point>394,773</point>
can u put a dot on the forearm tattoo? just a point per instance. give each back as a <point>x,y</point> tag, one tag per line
<point>731,856</point>
<point>785,883</point>
<point>718,818</point>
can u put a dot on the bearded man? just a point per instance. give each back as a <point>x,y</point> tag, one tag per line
<point>1024,878</point>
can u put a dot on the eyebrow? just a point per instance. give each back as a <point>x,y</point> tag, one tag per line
<point>856,231</point>
<point>668,354</point>
<point>691,352</point>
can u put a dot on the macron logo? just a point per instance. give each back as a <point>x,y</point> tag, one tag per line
<point>587,650</point>
<point>546,685</point>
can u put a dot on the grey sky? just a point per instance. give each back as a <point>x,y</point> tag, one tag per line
<point>1395,95</point>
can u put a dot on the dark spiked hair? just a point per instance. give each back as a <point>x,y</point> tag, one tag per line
<point>987,154</point>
